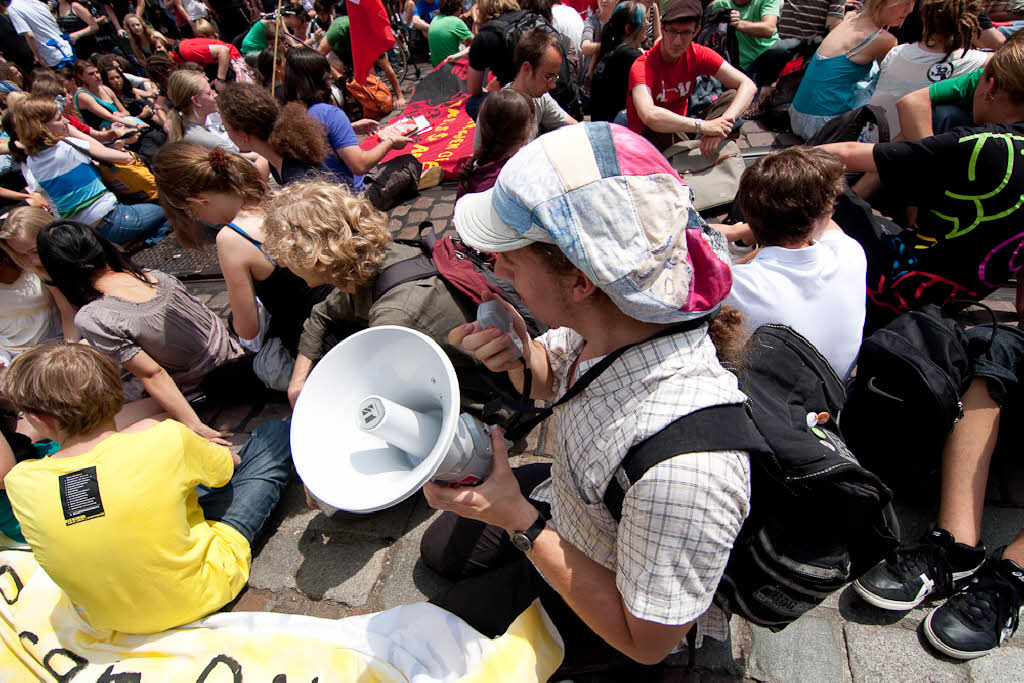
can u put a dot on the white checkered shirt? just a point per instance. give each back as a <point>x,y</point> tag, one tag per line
<point>680,520</point>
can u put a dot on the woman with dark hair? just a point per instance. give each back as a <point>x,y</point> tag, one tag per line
<point>136,105</point>
<point>166,338</point>
<point>620,46</point>
<point>307,80</point>
<point>503,126</point>
<point>291,140</point>
<point>211,185</point>
<point>97,103</point>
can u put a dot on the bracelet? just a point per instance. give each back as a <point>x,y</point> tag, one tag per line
<point>696,123</point>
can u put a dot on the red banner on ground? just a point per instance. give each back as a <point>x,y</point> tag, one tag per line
<point>441,98</point>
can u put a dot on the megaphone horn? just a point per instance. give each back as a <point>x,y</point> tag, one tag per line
<point>378,417</point>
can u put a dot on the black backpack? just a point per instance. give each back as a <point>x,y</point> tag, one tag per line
<point>715,34</point>
<point>905,398</point>
<point>817,518</point>
<point>511,26</point>
<point>851,126</point>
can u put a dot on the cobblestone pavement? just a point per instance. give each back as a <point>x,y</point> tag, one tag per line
<point>308,563</point>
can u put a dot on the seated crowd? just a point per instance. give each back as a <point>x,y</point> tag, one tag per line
<point>223,126</point>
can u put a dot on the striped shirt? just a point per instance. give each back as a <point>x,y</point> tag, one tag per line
<point>806,18</point>
<point>71,181</point>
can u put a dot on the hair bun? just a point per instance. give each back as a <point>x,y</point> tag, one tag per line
<point>219,160</point>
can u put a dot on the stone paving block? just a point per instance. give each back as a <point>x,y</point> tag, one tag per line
<point>888,654</point>
<point>219,300</point>
<point>406,579</point>
<point>742,142</point>
<point>386,525</point>
<point>1004,664</point>
<point>852,608</point>
<point>399,211</point>
<point>787,140</point>
<point>761,139</point>
<point>752,126</point>
<point>422,202</point>
<point>415,218</point>
<point>445,210</point>
<point>783,656</point>
<point>320,565</point>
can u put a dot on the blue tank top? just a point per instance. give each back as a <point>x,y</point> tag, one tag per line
<point>828,87</point>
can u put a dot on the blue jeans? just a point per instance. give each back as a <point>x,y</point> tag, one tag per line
<point>946,117</point>
<point>1011,28</point>
<point>246,501</point>
<point>126,222</point>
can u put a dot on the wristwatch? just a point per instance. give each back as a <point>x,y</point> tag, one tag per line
<point>696,124</point>
<point>523,540</point>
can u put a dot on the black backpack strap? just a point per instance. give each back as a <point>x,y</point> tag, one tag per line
<point>419,267</point>
<point>726,427</point>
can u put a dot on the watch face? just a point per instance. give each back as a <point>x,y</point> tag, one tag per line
<point>521,541</point>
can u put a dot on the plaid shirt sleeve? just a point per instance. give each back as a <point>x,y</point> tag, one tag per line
<point>678,526</point>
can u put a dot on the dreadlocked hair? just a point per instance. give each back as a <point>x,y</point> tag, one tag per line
<point>951,23</point>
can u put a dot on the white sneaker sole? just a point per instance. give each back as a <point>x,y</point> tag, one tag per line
<point>942,647</point>
<point>883,603</point>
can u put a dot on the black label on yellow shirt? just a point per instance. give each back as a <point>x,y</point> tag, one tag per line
<point>80,496</point>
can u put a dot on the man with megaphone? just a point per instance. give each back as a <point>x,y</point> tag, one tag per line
<point>598,235</point>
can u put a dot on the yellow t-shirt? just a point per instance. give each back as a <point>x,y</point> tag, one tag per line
<point>120,529</point>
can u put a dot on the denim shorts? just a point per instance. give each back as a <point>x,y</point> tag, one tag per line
<point>1002,364</point>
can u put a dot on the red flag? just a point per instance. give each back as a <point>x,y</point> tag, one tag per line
<point>371,35</point>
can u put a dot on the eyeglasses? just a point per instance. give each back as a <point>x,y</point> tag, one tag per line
<point>685,33</point>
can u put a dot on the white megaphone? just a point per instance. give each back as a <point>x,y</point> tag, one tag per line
<point>378,417</point>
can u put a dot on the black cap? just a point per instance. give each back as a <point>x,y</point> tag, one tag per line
<point>682,9</point>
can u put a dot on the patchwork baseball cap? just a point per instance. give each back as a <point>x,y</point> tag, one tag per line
<point>618,211</point>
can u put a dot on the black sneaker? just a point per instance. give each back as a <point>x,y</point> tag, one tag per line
<point>982,616</point>
<point>934,565</point>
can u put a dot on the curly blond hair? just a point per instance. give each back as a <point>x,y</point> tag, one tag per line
<point>319,226</point>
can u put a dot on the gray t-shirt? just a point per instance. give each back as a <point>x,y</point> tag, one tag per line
<point>204,137</point>
<point>591,32</point>
<point>547,116</point>
<point>178,332</point>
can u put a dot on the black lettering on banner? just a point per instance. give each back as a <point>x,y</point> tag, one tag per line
<point>109,676</point>
<point>233,666</point>
<point>29,636</point>
<point>280,678</point>
<point>78,661</point>
<point>80,495</point>
<point>18,585</point>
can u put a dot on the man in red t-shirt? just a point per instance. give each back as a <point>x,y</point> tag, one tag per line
<point>661,80</point>
<point>215,56</point>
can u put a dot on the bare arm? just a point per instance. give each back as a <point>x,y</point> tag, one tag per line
<point>587,587</point>
<point>164,391</point>
<point>764,28</point>
<point>734,79</point>
<point>858,156</point>
<point>223,56</point>
<point>360,160</point>
<point>474,81</point>
<point>86,102</point>
<point>234,265</point>
<point>112,18</point>
<point>111,156</point>
<point>990,39</point>
<point>34,46</point>
<point>67,315</point>
<point>7,461</point>
<point>915,111</point>
<point>90,23</point>
<point>659,119</point>
<point>303,366</point>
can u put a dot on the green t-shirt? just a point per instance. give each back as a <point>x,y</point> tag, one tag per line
<point>255,39</point>
<point>958,91</point>
<point>750,48</point>
<point>337,37</point>
<point>446,33</point>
